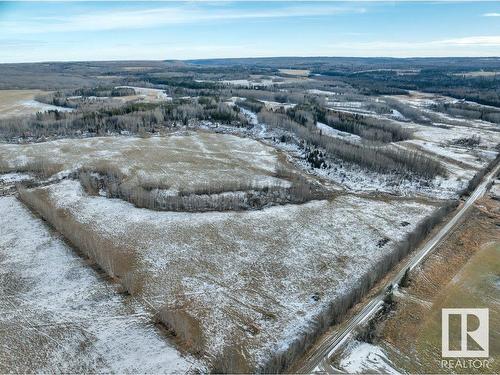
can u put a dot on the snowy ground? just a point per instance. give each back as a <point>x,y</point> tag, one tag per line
<point>8,181</point>
<point>258,81</point>
<point>323,92</point>
<point>331,132</point>
<point>361,358</point>
<point>178,160</point>
<point>437,140</point>
<point>58,315</point>
<point>250,281</point>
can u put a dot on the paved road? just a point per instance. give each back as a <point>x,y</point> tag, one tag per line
<point>318,361</point>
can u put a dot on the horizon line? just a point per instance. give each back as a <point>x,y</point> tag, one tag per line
<point>253,57</point>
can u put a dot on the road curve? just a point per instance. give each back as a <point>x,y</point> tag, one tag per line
<point>318,361</point>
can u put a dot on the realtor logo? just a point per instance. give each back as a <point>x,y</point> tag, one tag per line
<point>467,335</point>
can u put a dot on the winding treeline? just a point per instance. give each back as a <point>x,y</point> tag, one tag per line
<point>224,196</point>
<point>469,111</point>
<point>378,159</point>
<point>366,127</point>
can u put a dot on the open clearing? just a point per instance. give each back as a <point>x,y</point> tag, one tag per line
<point>58,315</point>
<point>22,102</point>
<point>237,287</point>
<point>145,94</point>
<point>179,161</point>
<point>295,72</point>
<point>475,74</point>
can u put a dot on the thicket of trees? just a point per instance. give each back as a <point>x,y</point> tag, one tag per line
<point>378,159</point>
<point>478,177</point>
<point>132,117</point>
<point>63,98</point>
<point>442,80</point>
<point>470,142</point>
<point>233,196</point>
<point>410,113</point>
<point>469,111</point>
<point>251,104</point>
<point>183,82</point>
<point>269,94</point>
<point>367,127</point>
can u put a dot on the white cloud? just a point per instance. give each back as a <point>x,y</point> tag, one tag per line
<point>163,16</point>
<point>487,41</point>
<point>466,46</point>
<point>491,15</point>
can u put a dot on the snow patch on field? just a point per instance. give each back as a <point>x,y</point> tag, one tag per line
<point>276,105</point>
<point>12,178</point>
<point>43,107</point>
<point>469,158</point>
<point>322,92</point>
<point>362,358</point>
<point>331,132</point>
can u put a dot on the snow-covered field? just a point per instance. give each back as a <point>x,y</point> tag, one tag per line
<point>178,161</point>
<point>275,105</point>
<point>242,285</point>
<point>439,141</point>
<point>323,92</point>
<point>58,315</point>
<point>22,103</point>
<point>295,72</point>
<point>332,132</point>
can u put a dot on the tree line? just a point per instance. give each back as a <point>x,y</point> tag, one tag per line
<point>211,196</point>
<point>378,159</point>
<point>131,117</point>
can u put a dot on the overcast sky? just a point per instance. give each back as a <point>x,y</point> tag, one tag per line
<point>67,31</point>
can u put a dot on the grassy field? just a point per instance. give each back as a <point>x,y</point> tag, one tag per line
<point>179,161</point>
<point>295,72</point>
<point>237,288</point>
<point>475,286</point>
<point>22,103</point>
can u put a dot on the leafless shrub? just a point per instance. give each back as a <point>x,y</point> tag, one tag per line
<point>4,166</point>
<point>469,142</point>
<point>40,166</point>
<point>116,259</point>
